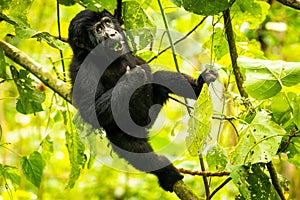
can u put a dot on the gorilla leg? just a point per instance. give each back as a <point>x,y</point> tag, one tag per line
<point>139,153</point>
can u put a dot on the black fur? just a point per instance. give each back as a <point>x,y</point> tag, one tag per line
<point>105,75</point>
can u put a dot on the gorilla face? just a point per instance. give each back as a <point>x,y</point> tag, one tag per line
<point>89,28</point>
<point>106,30</point>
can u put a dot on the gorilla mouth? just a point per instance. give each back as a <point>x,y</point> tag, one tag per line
<point>118,46</point>
<point>115,45</point>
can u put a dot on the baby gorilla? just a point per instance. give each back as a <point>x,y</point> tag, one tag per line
<point>115,89</point>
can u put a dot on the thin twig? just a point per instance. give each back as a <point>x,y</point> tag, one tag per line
<point>186,105</point>
<point>205,180</point>
<point>220,187</point>
<point>229,119</point>
<point>59,37</point>
<point>178,41</point>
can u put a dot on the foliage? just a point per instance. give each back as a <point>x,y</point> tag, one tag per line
<point>199,123</point>
<point>244,177</point>
<point>45,146</point>
<point>30,99</point>
<point>32,168</point>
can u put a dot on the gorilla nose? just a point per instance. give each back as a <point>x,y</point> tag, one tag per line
<point>111,33</point>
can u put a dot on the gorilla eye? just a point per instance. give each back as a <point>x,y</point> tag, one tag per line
<point>107,21</point>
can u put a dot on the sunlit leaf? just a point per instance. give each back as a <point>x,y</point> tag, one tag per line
<point>92,4</point>
<point>52,41</point>
<point>30,99</point>
<point>47,147</point>
<point>221,47</point>
<point>296,111</point>
<point>3,65</point>
<point>17,10</point>
<point>67,2</point>
<point>24,31</point>
<point>280,107</point>
<point>199,122</point>
<point>139,27</point>
<point>251,11</point>
<point>10,173</point>
<point>4,4</point>
<point>76,150</point>
<point>253,183</point>
<point>211,7</point>
<point>265,78</point>
<point>88,136</point>
<point>216,158</point>
<point>33,167</point>
<point>259,141</point>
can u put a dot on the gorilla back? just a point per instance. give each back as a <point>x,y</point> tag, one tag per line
<point>116,90</point>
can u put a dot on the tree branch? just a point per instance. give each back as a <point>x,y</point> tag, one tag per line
<point>274,178</point>
<point>234,55</point>
<point>37,69</point>
<point>239,80</point>
<point>291,3</point>
<point>184,192</point>
<point>118,12</point>
<point>203,173</point>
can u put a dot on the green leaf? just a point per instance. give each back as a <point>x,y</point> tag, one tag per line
<point>139,28</point>
<point>24,31</point>
<point>76,156</point>
<point>211,7</point>
<point>33,167</point>
<point>47,147</point>
<point>265,78</point>
<point>200,122</point>
<point>253,183</point>
<point>89,137</point>
<point>259,141</point>
<point>296,111</point>
<point>251,11</point>
<point>67,2</point>
<point>52,41</point>
<point>92,140</point>
<point>216,158</point>
<point>30,99</point>
<point>92,4</point>
<point>4,4</point>
<point>280,107</point>
<point>75,148</point>
<point>17,11</point>
<point>220,47</point>
<point>3,65</point>
<point>10,173</point>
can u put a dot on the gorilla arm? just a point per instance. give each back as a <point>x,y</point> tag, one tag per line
<point>182,84</point>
